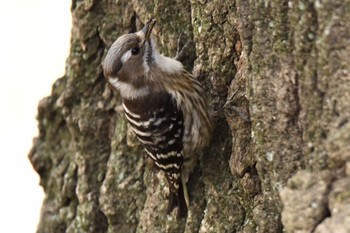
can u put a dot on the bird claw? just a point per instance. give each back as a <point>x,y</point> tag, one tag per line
<point>181,50</point>
<point>232,110</point>
<point>240,113</point>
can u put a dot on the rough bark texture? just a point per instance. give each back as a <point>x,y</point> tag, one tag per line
<point>280,154</point>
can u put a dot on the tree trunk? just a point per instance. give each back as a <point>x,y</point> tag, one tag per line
<point>278,75</point>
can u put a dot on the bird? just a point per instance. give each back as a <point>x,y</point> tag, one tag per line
<point>165,106</point>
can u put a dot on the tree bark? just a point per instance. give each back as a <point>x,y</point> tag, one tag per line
<point>278,75</point>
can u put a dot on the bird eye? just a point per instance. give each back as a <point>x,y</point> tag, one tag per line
<point>135,50</point>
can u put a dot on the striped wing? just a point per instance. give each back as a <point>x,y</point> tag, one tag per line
<point>158,124</point>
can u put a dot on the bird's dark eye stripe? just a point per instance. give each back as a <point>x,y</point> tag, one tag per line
<point>135,50</point>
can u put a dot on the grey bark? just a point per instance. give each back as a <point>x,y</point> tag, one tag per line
<point>279,159</point>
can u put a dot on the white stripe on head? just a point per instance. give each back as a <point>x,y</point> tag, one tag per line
<point>128,90</point>
<point>126,56</point>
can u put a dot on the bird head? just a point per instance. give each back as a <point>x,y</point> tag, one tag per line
<point>130,56</point>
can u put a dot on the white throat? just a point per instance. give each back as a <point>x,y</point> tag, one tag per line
<point>166,64</point>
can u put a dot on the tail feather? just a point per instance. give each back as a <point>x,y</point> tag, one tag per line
<point>172,202</point>
<point>182,210</point>
<point>178,200</point>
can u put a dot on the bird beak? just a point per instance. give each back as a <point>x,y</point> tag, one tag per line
<point>147,29</point>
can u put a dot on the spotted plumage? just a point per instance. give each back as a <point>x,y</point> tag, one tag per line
<point>164,105</point>
<point>159,127</point>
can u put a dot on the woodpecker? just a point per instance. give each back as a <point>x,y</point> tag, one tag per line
<point>164,105</point>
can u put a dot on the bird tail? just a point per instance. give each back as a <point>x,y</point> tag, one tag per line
<point>180,200</point>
